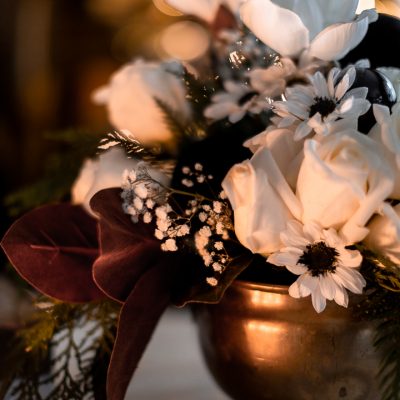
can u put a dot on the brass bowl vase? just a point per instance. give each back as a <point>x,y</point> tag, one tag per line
<point>261,344</point>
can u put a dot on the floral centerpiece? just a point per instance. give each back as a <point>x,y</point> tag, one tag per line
<point>276,162</point>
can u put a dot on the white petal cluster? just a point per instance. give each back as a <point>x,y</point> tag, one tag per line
<point>289,188</point>
<point>324,29</point>
<point>322,106</point>
<point>236,101</point>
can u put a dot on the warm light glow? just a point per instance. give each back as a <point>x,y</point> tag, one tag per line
<point>185,40</point>
<point>256,333</point>
<point>166,9</point>
<point>110,9</point>
<point>265,298</point>
<point>391,7</point>
<point>365,5</point>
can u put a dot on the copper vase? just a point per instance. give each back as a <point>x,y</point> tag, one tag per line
<point>261,344</point>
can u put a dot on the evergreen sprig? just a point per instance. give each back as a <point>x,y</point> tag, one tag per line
<point>50,360</point>
<point>182,130</point>
<point>199,93</point>
<point>131,146</point>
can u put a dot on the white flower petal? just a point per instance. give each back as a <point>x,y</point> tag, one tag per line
<point>338,11</point>
<point>336,41</point>
<point>349,258</point>
<point>318,301</point>
<point>297,269</point>
<point>236,116</point>
<point>308,283</point>
<point>279,28</point>
<point>320,85</point>
<point>312,231</point>
<point>341,297</point>
<point>294,290</point>
<point>302,130</point>
<point>284,259</point>
<point>350,279</point>
<point>345,83</point>
<point>327,286</point>
<point>310,13</point>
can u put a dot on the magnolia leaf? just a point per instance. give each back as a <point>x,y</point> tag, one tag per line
<point>204,293</point>
<point>53,248</point>
<point>138,319</point>
<point>127,249</point>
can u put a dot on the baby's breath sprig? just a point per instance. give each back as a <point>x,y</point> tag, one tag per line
<point>205,221</point>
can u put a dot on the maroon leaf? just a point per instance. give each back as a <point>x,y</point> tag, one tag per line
<point>138,319</point>
<point>53,248</point>
<point>127,250</point>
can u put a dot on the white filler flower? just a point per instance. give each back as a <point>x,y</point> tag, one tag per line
<point>319,106</point>
<point>325,266</point>
<point>235,102</point>
<point>324,29</point>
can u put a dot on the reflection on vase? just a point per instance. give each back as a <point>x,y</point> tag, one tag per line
<point>261,344</point>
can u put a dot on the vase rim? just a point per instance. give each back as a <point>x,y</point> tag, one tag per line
<point>263,287</point>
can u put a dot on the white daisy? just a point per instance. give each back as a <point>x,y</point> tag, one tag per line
<point>317,107</point>
<point>235,102</point>
<point>273,80</point>
<point>325,266</point>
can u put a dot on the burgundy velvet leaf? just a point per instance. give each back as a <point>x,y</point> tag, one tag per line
<point>138,319</point>
<point>127,250</point>
<point>53,248</point>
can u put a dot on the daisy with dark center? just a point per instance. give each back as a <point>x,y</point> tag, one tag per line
<point>320,106</point>
<point>235,102</point>
<point>326,267</point>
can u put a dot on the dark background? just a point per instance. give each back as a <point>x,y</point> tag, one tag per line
<point>53,54</point>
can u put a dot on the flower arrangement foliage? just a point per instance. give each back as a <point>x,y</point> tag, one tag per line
<point>277,162</point>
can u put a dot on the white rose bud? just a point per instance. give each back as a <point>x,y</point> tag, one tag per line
<point>384,235</point>
<point>131,95</point>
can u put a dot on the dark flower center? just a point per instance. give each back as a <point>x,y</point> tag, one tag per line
<point>323,106</point>
<point>247,97</point>
<point>319,258</point>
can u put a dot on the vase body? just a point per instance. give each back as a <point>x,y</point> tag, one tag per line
<point>261,344</point>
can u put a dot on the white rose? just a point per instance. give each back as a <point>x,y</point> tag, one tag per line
<point>131,96</point>
<point>204,9</point>
<point>105,172</point>
<point>342,182</point>
<point>262,201</point>
<point>325,29</point>
<point>387,132</point>
<point>384,233</point>
<point>287,153</point>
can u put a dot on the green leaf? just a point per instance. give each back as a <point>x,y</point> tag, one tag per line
<point>30,363</point>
